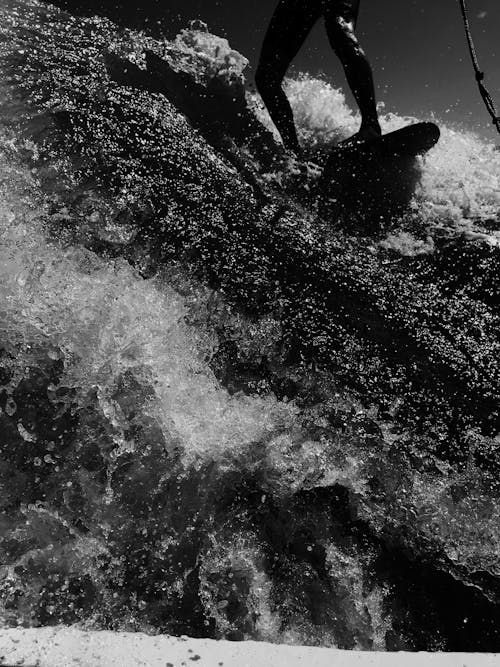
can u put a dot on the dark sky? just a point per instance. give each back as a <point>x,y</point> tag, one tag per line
<point>417,47</point>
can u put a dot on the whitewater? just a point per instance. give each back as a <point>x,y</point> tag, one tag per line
<point>227,419</point>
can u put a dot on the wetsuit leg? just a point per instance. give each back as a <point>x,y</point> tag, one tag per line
<point>340,19</point>
<point>291,23</point>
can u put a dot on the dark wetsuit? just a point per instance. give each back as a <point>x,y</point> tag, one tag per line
<point>291,23</point>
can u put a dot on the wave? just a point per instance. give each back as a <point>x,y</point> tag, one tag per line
<point>223,418</point>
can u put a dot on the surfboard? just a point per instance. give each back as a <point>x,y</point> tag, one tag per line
<point>415,139</point>
<point>376,178</point>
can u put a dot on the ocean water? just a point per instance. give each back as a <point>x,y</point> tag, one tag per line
<point>219,421</point>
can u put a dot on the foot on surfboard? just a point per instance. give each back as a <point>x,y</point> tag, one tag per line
<point>415,139</point>
<point>366,134</point>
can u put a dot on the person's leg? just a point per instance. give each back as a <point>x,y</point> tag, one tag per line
<point>291,23</point>
<point>340,18</point>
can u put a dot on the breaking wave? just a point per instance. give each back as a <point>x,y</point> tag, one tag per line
<point>194,438</point>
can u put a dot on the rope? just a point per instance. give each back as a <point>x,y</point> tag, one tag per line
<point>485,93</point>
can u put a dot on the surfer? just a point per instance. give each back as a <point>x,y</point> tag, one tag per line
<point>291,23</point>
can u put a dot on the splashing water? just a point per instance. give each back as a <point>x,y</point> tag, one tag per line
<point>124,353</point>
<point>168,464</point>
<point>460,182</point>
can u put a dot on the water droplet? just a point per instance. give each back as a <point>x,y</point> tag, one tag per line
<point>10,406</point>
